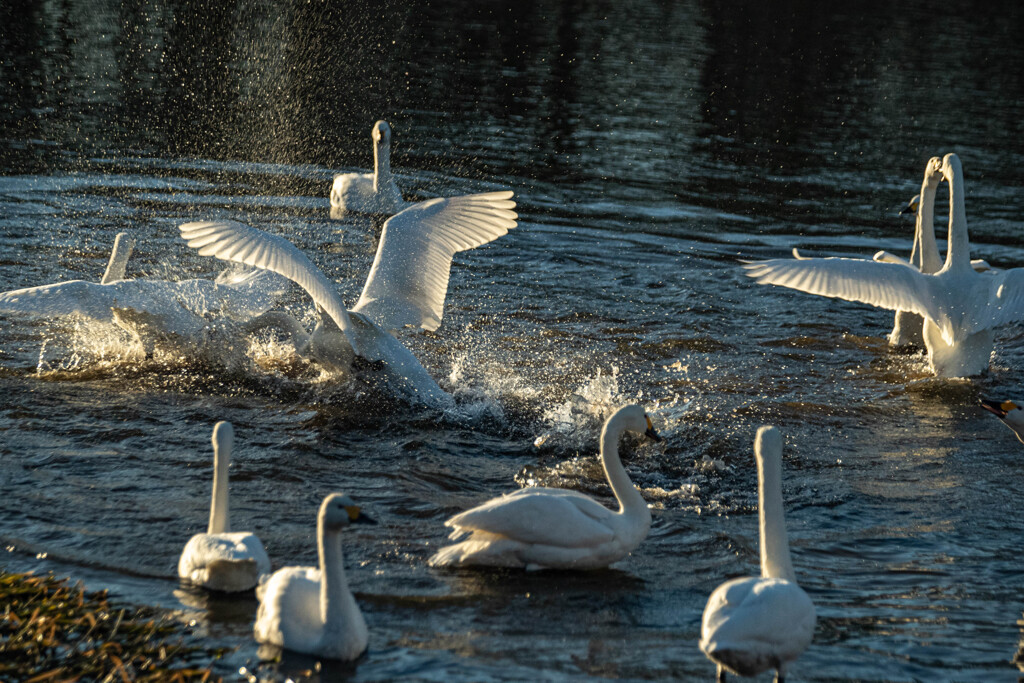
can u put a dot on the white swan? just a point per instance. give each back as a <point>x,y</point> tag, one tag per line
<point>176,306</point>
<point>539,528</point>
<point>374,192</point>
<point>960,305</point>
<point>406,286</point>
<point>1009,412</point>
<point>220,559</point>
<point>752,624</point>
<point>312,610</point>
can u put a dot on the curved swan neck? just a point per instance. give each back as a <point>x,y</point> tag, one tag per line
<point>222,442</point>
<point>958,249</point>
<point>118,262</point>
<point>775,559</point>
<point>381,163</point>
<point>334,590</point>
<point>630,500</point>
<point>926,252</point>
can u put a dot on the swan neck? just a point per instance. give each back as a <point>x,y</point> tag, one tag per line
<point>219,503</point>
<point>958,249</point>
<point>775,559</point>
<point>926,252</point>
<point>381,164</point>
<point>334,592</point>
<point>630,500</point>
<point>118,262</point>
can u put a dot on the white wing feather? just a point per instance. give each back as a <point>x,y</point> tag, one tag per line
<point>231,241</point>
<point>538,515</point>
<point>408,282</point>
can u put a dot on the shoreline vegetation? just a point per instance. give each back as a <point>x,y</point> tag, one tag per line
<point>55,632</point>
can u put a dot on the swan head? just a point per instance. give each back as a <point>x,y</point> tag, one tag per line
<point>223,438</point>
<point>633,418</point>
<point>338,511</point>
<point>933,171</point>
<point>1009,412</point>
<point>768,442</point>
<point>911,206</point>
<point>381,133</point>
<point>951,167</point>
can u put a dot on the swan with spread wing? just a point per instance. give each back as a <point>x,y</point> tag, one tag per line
<point>960,306</point>
<point>407,284</point>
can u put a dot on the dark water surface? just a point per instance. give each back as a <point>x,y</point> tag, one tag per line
<point>650,146</point>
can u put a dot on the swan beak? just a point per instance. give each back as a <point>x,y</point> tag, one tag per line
<point>650,433</point>
<point>997,408</point>
<point>364,519</point>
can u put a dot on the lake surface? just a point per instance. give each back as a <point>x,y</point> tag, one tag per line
<point>650,145</point>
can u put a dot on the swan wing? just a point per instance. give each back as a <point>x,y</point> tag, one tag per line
<point>409,277</point>
<point>543,516</point>
<point>231,241</point>
<point>751,620</point>
<point>79,297</point>
<point>895,286</point>
<point>1005,304</point>
<point>289,611</point>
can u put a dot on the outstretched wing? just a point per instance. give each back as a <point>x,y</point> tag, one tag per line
<point>895,286</point>
<point>1005,299</point>
<point>231,241</point>
<point>409,278</point>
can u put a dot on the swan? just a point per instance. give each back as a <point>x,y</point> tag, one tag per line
<point>178,305</point>
<point>960,306</point>
<point>1009,412</point>
<point>312,610</point>
<point>753,623</point>
<point>406,286</point>
<point>374,192</point>
<point>220,559</point>
<point>543,528</point>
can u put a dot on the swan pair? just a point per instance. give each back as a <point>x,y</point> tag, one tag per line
<point>305,609</point>
<point>752,624</point>
<point>406,286</point>
<point>375,192</point>
<point>960,306</point>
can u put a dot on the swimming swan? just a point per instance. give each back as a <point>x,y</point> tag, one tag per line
<point>752,624</point>
<point>220,559</point>
<point>374,192</point>
<point>312,610</point>
<point>539,528</point>
<point>407,283</point>
<point>1009,412</point>
<point>175,305</point>
<point>960,306</point>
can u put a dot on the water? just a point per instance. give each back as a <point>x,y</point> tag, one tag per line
<point>650,146</point>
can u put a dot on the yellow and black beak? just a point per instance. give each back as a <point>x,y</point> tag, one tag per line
<point>911,206</point>
<point>356,516</point>
<point>650,433</point>
<point>997,408</point>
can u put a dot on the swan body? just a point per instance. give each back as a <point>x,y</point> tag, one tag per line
<point>177,306</point>
<point>752,624</point>
<point>406,286</point>
<point>538,528</point>
<point>1009,412</point>
<point>220,559</point>
<point>374,192</point>
<point>959,305</point>
<point>312,610</point>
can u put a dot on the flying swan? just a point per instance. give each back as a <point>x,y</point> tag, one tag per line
<point>312,610</point>
<point>220,559</point>
<point>752,624</point>
<point>543,528</point>
<point>406,286</point>
<point>960,306</point>
<point>175,305</point>
<point>374,192</point>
